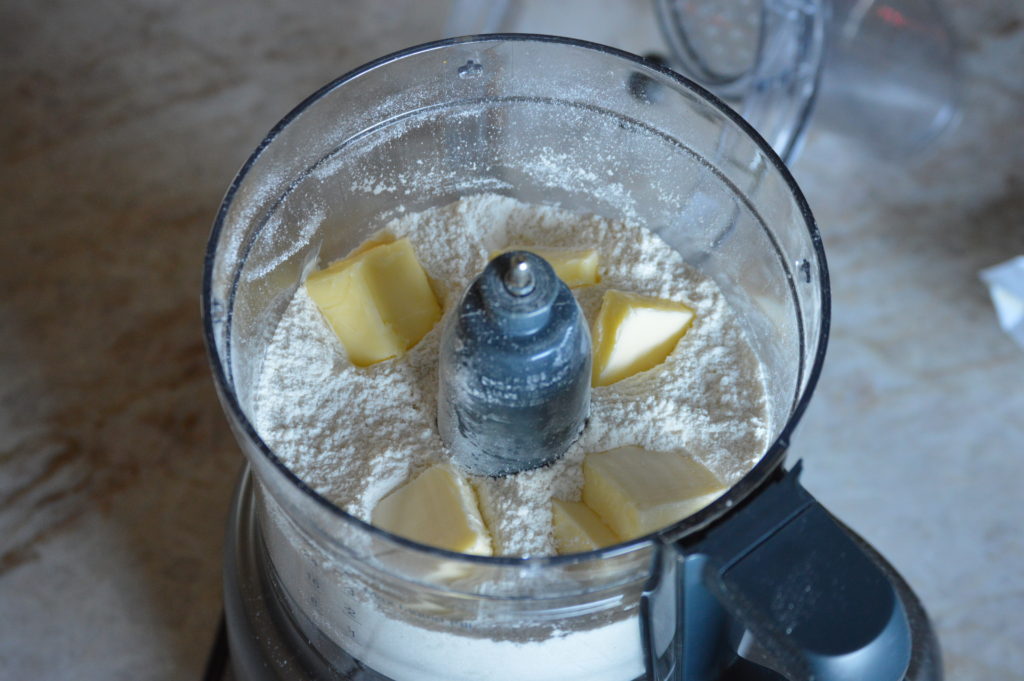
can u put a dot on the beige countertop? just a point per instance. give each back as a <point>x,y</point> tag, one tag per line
<point>122,125</point>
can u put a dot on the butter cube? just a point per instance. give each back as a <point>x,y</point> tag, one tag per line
<point>378,301</point>
<point>635,333</point>
<point>437,507</point>
<point>576,528</point>
<point>576,267</point>
<point>636,492</point>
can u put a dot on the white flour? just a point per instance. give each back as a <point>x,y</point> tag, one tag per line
<point>354,434</point>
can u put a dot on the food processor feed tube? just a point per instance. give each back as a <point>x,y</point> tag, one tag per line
<point>547,121</point>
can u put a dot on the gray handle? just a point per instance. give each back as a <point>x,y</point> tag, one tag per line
<point>782,579</point>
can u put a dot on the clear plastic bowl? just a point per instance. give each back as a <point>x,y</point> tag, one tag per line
<point>544,120</point>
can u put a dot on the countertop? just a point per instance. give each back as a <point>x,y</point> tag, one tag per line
<point>124,122</point>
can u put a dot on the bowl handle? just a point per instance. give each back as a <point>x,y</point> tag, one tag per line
<point>778,591</point>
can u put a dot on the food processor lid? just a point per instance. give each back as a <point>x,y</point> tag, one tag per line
<point>763,57</point>
<point>718,41</point>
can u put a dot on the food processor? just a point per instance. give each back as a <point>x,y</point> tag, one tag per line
<point>761,584</point>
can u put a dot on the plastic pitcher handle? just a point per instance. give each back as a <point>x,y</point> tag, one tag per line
<point>783,574</point>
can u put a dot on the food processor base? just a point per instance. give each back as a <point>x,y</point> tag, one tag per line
<point>261,641</point>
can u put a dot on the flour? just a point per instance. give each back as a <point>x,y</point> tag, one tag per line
<point>353,434</point>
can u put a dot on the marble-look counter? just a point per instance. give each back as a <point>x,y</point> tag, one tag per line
<point>124,122</point>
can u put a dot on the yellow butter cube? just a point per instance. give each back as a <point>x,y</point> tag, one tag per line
<point>437,507</point>
<point>576,267</point>
<point>635,333</point>
<point>636,492</point>
<point>576,528</point>
<point>378,301</point>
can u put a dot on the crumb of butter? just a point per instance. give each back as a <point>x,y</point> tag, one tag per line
<point>575,267</point>
<point>635,333</point>
<point>437,507</point>
<point>378,301</point>
<point>576,528</point>
<point>635,491</point>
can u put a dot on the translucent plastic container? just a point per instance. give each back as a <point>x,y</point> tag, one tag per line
<point>543,120</point>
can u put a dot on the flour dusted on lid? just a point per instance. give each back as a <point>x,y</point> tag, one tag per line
<point>356,433</point>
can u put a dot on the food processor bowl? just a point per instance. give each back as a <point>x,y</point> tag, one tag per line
<point>544,120</point>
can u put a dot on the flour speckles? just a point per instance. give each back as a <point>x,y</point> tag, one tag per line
<point>353,434</point>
